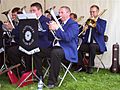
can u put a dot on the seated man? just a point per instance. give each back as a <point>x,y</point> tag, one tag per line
<point>93,40</point>
<point>43,42</point>
<point>66,47</point>
<point>1,45</point>
<point>73,16</point>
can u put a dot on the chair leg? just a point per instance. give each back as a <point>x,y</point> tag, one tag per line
<point>47,70</point>
<point>100,59</point>
<point>67,71</point>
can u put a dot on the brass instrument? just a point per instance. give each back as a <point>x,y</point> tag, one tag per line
<point>7,32</point>
<point>6,13</point>
<point>80,18</point>
<point>91,22</point>
<point>23,10</point>
<point>58,23</point>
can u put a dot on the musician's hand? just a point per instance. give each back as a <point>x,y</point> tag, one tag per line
<point>85,27</point>
<point>53,25</point>
<point>8,26</point>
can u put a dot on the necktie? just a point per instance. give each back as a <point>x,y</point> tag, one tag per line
<point>62,24</point>
<point>89,37</point>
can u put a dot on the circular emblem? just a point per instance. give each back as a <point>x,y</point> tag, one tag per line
<point>28,35</point>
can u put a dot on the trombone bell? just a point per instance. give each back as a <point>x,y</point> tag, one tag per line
<point>91,22</point>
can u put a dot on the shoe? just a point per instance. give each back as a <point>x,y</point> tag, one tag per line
<point>50,86</point>
<point>89,70</point>
<point>78,70</point>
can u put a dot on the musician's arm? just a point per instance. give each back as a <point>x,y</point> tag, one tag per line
<point>69,34</point>
<point>101,26</point>
<point>45,28</point>
<point>15,33</point>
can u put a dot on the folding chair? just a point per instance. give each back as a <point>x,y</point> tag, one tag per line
<point>100,55</point>
<point>46,69</point>
<point>67,71</point>
<point>67,68</point>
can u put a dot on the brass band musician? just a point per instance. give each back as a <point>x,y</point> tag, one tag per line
<point>93,40</point>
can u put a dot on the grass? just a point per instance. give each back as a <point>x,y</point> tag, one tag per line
<point>103,80</point>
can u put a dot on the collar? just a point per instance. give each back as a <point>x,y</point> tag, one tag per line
<point>66,21</point>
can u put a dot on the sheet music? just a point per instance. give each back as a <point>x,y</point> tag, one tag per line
<point>27,16</point>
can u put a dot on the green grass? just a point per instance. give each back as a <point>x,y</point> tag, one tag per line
<point>103,80</point>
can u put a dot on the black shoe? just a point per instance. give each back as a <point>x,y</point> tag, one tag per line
<point>78,69</point>
<point>50,86</point>
<point>89,70</point>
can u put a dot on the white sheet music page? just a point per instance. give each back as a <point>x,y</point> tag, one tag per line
<point>27,16</point>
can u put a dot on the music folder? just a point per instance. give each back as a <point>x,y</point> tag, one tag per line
<point>28,33</point>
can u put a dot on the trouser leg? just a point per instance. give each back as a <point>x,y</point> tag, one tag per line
<point>93,49</point>
<point>57,54</point>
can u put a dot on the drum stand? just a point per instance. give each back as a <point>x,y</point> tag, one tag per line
<point>32,73</point>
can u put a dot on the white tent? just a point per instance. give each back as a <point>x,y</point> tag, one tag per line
<point>81,8</point>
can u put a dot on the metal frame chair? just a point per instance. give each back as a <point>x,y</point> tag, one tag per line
<point>67,71</point>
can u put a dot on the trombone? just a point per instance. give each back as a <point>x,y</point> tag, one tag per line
<point>91,22</point>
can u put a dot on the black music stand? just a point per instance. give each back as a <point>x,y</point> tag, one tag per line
<point>28,31</point>
<point>2,49</point>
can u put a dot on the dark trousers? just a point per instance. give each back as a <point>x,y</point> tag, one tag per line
<point>1,59</point>
<point>57,54</point>
<point>15,56</point>
<point>91,48</point>
<point>38,57</point>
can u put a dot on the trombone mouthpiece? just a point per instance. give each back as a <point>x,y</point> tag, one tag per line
<point>59,18</point>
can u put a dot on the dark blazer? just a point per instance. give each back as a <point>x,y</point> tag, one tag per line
<point>69,40</point>
<point>43,36</point>
<point>98,34</point>
<point>1,34</point>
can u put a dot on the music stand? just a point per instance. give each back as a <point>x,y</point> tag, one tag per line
<point>28,31</point>
<point>2,49</point>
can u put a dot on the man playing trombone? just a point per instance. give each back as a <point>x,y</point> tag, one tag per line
<point>93,40</point>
